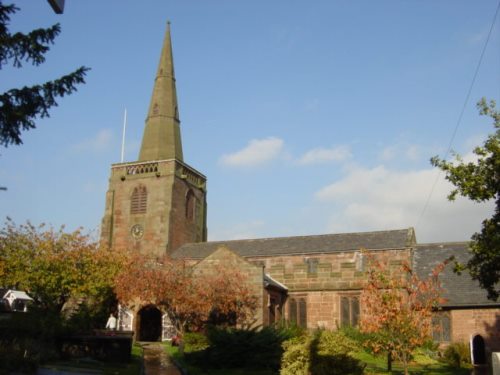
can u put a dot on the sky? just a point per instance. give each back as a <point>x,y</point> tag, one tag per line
<point>307,117</point>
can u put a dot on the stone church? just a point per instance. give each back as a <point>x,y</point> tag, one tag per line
<point>157,205</point>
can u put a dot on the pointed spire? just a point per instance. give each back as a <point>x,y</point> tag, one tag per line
<point>162,134</point>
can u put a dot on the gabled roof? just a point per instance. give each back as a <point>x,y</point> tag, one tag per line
<point>459,290</point>
<point>18,295</point>
<point>327,243</point>
<point>270,282</point>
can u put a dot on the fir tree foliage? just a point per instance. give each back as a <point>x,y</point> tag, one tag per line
<point>19,107</point>
<point>479,181</point>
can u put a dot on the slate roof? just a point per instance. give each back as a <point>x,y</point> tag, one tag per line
<point>327,243</point>
<point>459,290</point>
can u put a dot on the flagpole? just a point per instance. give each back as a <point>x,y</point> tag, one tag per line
<point>123,134</point>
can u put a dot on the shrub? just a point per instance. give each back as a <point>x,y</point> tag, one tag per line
<point>27,339</point>
<point>295,360</point>
<point>457,355</point>
<point>323,353</point>
<point>195,342</point>
<point>247,348</point>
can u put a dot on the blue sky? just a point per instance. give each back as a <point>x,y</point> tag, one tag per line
<point>307,117</point>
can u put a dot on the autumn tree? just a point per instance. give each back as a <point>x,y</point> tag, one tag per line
<point>397,308</point>
<point>54,266</point>
<point>189,298</point>
<point>479,180</point>
<point>20,106</point>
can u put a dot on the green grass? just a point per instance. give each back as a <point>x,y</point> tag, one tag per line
<point>421,365</point>
<point>130,368</point>
<point>375,365</point>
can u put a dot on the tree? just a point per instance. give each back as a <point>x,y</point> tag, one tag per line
<point>397,308</point>
<point>54,267</point>
<point>479,180</point>
<point>189,298</point>
<point>20,107</point>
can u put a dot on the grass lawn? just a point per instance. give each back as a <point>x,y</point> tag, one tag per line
<point>375,365</point>
<point>128,368</point>
<point>422,365</point>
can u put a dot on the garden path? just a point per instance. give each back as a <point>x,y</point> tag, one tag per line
<point>156,361</point>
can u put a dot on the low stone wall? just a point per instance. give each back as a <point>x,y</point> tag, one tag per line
<point>109,346</point>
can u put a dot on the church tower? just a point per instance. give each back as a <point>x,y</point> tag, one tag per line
<point>158,203</point>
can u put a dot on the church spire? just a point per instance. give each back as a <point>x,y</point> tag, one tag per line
<point>162,134</point>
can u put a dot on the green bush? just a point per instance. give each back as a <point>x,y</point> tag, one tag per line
<point>195,342</point>
<point>457,355</point>
<point>247,348</point>
<point>296,356</point>
<point>28,339</point>
<point>323,353</point>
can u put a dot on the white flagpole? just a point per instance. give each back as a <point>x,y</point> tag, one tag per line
<point>123,134</point>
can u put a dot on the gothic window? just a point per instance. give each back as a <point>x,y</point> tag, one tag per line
<point>190,206</point>
<point>139,200</point>
<point>349,311</point>
<point>441,327</point>
<point>298,311</point>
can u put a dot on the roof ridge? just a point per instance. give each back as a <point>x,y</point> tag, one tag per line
<point>303,236</point>
<point>443,243</point>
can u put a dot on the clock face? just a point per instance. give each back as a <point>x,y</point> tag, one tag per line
<point>137,231</point>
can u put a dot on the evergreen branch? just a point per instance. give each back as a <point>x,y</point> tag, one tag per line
<point>19,107</point>
<point>20,46</point>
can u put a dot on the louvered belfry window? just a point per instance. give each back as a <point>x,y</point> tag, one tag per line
<point>139,200</point>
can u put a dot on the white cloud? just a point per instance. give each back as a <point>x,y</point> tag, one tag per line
<point>324,155</point>
<point>412,153</point>
<point>409,152</point>
<point>380,199</point>
<point>257,152</point>
<point>387,153</point>
<point>100,142</point>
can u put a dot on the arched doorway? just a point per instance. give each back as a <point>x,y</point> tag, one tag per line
<point>478,350</point>
<point>149,323</point>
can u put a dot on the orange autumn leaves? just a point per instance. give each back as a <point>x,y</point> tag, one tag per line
<point>56,267</point>
<point>190,298</point>
<point>397,308</point>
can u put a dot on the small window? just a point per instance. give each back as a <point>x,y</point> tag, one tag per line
<point>139,200</point>
<point>298,311</point>
<point>441,327</point>
<point>349,311</point>
<point>292,316</point>
<point>312,266</point>
<point>272,310</point>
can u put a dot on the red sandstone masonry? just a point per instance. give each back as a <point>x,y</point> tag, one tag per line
<point>337,274</point>
<point>467,323</point>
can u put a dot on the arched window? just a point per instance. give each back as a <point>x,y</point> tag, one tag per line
<point>190,205</point>
<point>441,327</point>
<point>139,200</point>
<point>349,311</point>
<point>298,311</point>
